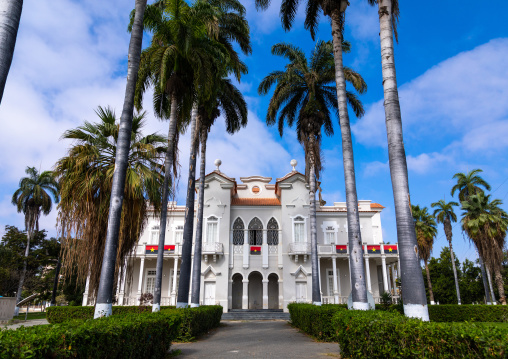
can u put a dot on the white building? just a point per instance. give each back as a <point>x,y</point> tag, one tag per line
<point>256,247</point>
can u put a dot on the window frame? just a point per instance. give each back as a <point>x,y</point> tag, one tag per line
<point>212,220</point>
<point>294,221</point>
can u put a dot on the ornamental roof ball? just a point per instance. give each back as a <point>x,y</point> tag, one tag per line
<point>217,164</point>
<point>293,164</point>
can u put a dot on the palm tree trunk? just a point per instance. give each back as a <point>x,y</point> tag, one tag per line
<point>448,232</point>
<point>431,293</point>
<point>498,277</point>
<point>196,270</point>
<point>484,278</point>
<point>358,283</point>
<point>316,291</point>
<point>23,272</point>
<point>188,229</point>
<point>55,282</point>
<point>489,277</point>
<point>104,302</point>
<point>10,14</point>
<point>413,288</point>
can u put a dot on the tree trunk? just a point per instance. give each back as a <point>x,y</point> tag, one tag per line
<point>23,272</point>
<point>500,285</point>
<point>485,284</point>
<point>188,229</point>
<point>105,291</point>
<point>358,283</point>
<point>448,232</point>
<point>431,293</point>
<point>10,14</point>
<point>55,282</point>
<point>413,288</point>
<point>196,270</point>
<point>489,277</point>
<point>316,288</point>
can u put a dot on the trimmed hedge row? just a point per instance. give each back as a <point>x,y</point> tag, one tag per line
<point>56,315</point>
<point>377,334</point>
<point>315,320</point>
<point>137,335</point>
<point>468,313</point>
<point>198,321</point>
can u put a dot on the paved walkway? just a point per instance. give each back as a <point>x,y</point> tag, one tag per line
<point>256,339</point>
<point>28,323</point>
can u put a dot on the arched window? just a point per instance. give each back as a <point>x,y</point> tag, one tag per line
<point>238,232</point>
<point>273,232</point>
<point>255,232</point>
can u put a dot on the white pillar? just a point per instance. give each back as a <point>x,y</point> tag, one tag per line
<point>367,274</point>
<point>246,249</point>
<point>279,249</point>
<point>140,279</point>
<point>393,279</point>
<point>121,293</point>
<point>175,275</point>
<point>265,293</point>
<point>85,293</point>
<point>319,275</point>
<point>383,267</point>
<point>281,294</point>
<point>245,295</point>
<point>335,289</point>
<point>398,264</point>
<point>264,249</point>
<point>230,294</point>
<point>231,250</point>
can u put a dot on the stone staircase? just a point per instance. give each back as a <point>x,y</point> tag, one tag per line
<point>255,314</point>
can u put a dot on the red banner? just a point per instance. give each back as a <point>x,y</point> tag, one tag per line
<point>255,250</point>
<point>374,249</point>
<point>155,249</point>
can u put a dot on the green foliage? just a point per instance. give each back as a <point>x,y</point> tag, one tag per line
<point>470,283</point>
<point>140,335</point>
<point>198,321</point>
<point>57,315</point>
<point>315,320</point>
<point>441,274</point>
<point>378,334</point>
<point>468,313</point>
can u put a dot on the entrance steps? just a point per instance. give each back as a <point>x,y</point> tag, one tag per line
<point>255,314</point>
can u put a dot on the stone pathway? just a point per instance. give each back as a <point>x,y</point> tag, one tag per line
<point>256,339</point>
<point>28,323</point>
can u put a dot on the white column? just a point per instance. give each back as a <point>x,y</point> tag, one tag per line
<point>279,249</point>
<point>245,295</point>
<point>121,293</point>
<point>140,279</point>
<point>265,293</point>
<point>281,294</point>
<point>230,294</point>
<point>367,268</point>
<point>389,279</point>
<point>398,264</point>
<point>319,275</point>
<point>170,278</point>
<point>231,250</point>
<point>335,289</point>
<point>264,249</point>
<point>175,275</point>
<point>383,267</point>
<point>246,249</point>
<point>85,293</point>
<point>393,279</point>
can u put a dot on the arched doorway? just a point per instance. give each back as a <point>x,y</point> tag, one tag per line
<point>237,289</point>
<point>273,291</point>
<point>255,290</point>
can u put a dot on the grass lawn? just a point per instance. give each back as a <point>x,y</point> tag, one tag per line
<point>33,315</point>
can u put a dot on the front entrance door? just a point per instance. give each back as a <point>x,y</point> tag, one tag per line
<point>273,291</point>
<point>255,291</point>
<point>209,293</point>
<point>237,289</point>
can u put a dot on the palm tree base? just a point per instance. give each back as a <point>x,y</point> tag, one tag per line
<point>156,308</point>
<point>417,311</point>
<point>194,305</point>
<point>103,310</point>
<point>182,305</point>
<point>317,303</point>
<point>432,302</point>
<point>360,306</point>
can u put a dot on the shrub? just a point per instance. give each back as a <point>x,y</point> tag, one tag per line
<point>378,334</point>
<point>468,313</point>
<point>315,320</point>
<point>137,335</point>
<point>197,321</point>
<point>57,315</point>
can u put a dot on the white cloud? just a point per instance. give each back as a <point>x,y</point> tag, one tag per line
<point>362,20</point>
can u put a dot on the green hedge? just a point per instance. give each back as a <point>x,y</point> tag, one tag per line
<point>315,320</point>
<point>198,321</point>
<point>63,314</point>
<point>137,335</point>
<point>378,334</point>
<point>468,313</point>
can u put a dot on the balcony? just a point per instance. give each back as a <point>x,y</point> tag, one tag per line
<point>299,249</point>
<point>213,250</point>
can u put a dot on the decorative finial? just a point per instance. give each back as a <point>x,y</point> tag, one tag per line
<point>293,164</point>
<point>217,163</point>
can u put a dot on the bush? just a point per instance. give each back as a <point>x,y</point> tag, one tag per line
<point>197,321</point>
<point>468,313</point>
<point>57,315</point>
<point>137,335</point>
<point>315,320</point>
<point>377,334</point>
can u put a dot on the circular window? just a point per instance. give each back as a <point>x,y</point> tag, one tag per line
<point>256,189</point>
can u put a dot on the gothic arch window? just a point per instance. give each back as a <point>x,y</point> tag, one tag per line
<point>273,232</point>
<point>238,232</point>
<point>255,232</point>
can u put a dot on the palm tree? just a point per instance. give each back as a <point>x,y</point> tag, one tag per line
<point>86,176</point>
<point>10,13</point>
<point>444,214</point>
<point>485,223</point>
<point>426,230</point>
<point>34,197</point>
<point>336,11</point>
<point>303,93</point>
<point>469,184</point>
<point>234,110</point>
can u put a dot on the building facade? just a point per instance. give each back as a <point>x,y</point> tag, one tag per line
<point>256,247</point>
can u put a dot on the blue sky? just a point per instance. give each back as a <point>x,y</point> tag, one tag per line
<point>451,69</point>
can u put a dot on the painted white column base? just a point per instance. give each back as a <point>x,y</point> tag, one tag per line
<point>194,305</point>
<point>360,306</point>
<point>432,302</point>
<point>417,311</point>
<point>156,308</point>
<point>103,310</point>
<point>316,303</point>
<point>182,305</point>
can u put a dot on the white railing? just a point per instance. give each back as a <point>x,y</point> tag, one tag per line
<point>326,249</point>
<point>213,248</point>
<point>331,300</point>
<point>299,248</point>
<point>238,249</point>
<point>133,300</point>
<point>273,249</point>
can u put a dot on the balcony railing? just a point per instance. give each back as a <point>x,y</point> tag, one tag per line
<point>299,248</point>
<point>213,248</point>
